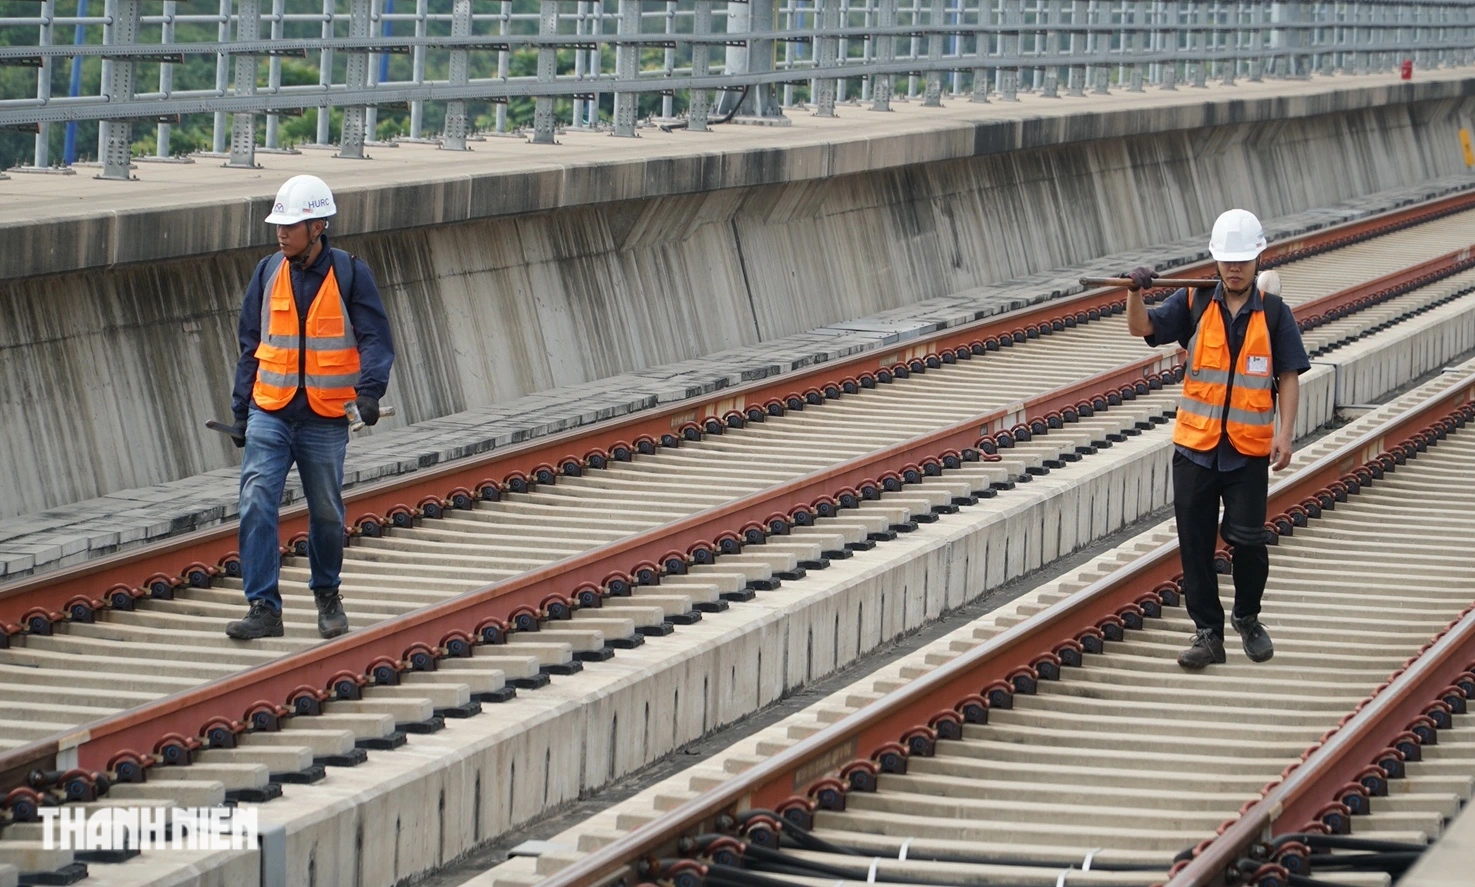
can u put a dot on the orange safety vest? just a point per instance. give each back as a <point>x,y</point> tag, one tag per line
<point>1249,416</point>
<point>331,359</point>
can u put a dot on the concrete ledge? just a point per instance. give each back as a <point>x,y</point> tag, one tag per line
<point>1447,863</point>
<point>72,534</point>
<point>52,226</point>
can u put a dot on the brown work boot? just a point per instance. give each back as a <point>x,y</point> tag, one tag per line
<point>1207,649</point>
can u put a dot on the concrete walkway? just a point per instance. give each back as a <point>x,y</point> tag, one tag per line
<point>52,224</point>
<point>73,534</point>
<point>1447,863</point>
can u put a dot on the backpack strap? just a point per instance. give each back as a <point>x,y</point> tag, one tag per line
<point>273,262</point>
<point>1197,307</point>
<point>1271,306</point>
<point>1272,313</point>
<point>343,270</point>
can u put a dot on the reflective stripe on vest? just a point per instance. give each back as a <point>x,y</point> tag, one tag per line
<point>331,357</point>
<point>1249,414</point>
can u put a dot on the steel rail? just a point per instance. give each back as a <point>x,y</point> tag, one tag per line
<point>1294,805</point>
<point>274,684</point>
<point>50,591</point>
<point>885,722</point>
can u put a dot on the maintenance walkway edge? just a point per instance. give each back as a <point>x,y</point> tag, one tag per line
<point>61,537</point>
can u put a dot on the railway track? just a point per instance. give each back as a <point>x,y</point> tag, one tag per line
<point>1061,744</point>
<point>672,517</point>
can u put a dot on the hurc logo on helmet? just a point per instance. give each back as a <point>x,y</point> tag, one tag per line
<point>301,198</point>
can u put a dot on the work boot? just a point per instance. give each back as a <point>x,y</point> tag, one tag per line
<point>1257,641</point>
<point>1207,649</point>
<point>262,621</point>
<point>332,621</point>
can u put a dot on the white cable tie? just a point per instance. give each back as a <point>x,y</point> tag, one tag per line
<point>871,878</point>
<point>902,856</point>
<point>1086,866</point>
<point>1060,881</point>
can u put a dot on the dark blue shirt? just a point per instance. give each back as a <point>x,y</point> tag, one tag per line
<point>1172,321</point>
<point>365,312</point>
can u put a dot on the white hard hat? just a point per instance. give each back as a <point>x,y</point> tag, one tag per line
<point>1237,237</point>
<point>301,198</point>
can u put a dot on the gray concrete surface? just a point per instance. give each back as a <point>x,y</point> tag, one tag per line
<point>40,540</point>
<point>1448,863</point>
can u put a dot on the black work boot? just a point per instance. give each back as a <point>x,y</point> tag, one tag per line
<point>332,621</point>
<point>1207,649</point>
<point>262,621</point>
<point>1257,641</point>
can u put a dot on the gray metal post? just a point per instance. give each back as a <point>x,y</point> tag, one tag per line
<point>166,79</point>
<point>371,113</point>
<point>842,86</point>
<point>981,53</point>
<point>222,79</point>
<point>1011,16</point>
<point>698,101</point>
<point>582,15</point>
<point>1257,41</point>
<point>596,61</point>
<point>1198,45</point>
<point>243,124</point>
<point>933,98</point>
<point>43,83</point>
<point>885,53</point>
<point>1076,74</point>
<point>454,137</point>
<point>761,102</point>
<point>1237,37</point>
<point>274,73</point>
<point>1139,18</point>
<point>543,122</point>
<point>828,55</point>
<point>668,59</point>
<point>117,135</point>
<point>351,142</point>
<point>110,18</point>
<point>627,68</point>
<point>325,77</point>
<point>1050,83</point>
<point>417,72</point>
<point>504,27</point>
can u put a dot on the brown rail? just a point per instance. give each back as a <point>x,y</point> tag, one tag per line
<point>416,640</point>
<point>197,556</point>
<point>797,775</point>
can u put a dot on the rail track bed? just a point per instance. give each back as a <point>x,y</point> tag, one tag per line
<point>510,577</point>
<point>1092,758</point>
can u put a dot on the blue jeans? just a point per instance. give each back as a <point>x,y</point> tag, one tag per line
<point>272,445</point>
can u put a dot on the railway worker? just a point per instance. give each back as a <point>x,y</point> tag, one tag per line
<point>314,336</point>
<point>1242,346</point>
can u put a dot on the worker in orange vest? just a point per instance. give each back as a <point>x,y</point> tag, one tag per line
<point>314,338</point>
<point>1243,346</point>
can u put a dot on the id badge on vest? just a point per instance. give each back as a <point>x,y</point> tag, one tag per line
<point>1257,365</point>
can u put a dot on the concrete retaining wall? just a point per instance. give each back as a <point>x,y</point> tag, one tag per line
<point>105,376</point>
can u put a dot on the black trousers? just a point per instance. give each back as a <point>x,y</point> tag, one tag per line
<point>1197,492</point>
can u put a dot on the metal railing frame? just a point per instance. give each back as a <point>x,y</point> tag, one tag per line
<point>978,48</point>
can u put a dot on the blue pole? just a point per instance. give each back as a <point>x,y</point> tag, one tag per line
<point>69,153</point>
<point>388,29</point>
